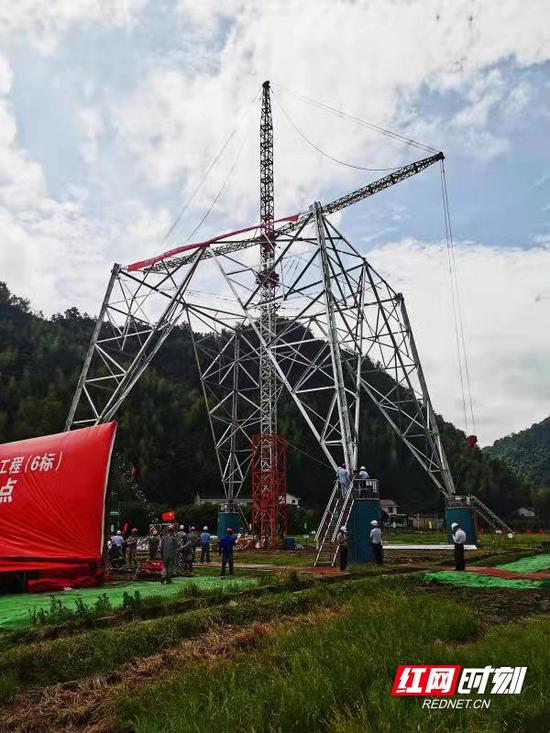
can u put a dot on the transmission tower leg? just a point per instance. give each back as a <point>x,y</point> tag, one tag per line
<point>91,348</point>
<point>446,476</point>
<point>348,443</point>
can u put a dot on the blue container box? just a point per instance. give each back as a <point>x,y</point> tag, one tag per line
<point>359,527</point>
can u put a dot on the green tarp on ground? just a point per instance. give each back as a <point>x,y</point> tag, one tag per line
<point>15,609</point>
<point>533,564</point>
<point>476,580</point>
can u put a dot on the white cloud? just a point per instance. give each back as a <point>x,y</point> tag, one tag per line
<point>46,22</point>
<point>504,323</point>
<point>371,58</point>
<point>375,59</point>
<point>91,124</point>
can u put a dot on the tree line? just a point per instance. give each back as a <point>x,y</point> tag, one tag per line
<point>164,432</point>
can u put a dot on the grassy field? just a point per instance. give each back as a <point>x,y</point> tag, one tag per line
<point>485,539</point>
<point>22,610</point>
<point>293,653</point>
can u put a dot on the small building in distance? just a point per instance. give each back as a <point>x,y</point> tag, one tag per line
<point>426,521</point>
<point>240,501</point>
<point>291,500</point>
<point>389,506</point>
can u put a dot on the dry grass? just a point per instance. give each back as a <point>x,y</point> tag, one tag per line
<point>79,706</point>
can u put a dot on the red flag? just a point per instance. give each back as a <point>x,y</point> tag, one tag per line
<point>168,516</point>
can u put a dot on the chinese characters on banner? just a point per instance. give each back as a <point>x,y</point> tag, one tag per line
<point>12,466</point>
<point>52,498</point>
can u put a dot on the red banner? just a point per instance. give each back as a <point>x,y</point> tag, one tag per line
<point>52,498</point>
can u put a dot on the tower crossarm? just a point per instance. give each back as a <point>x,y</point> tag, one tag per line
<point>401,174</point>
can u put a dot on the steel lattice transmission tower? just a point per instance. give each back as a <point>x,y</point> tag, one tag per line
<point>314,319</point>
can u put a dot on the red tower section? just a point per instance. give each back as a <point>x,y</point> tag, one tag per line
<point>269,517</point>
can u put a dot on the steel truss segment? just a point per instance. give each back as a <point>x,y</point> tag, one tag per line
<point>366,318</point>
<point>227,360</point>
<point>138,313</point>
<point>332,207</point>
<point>338,331</point>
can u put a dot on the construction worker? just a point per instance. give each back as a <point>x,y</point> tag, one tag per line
<point>376,541</point>
<point>459,540</point>
<point>131,549</point>
<point>342,476</point>
<point>154,542</point>
<point>116,547</point>
<point>363,478</point>
<point>342,542</point>
<point>226,545</point>
<point>188,555</point>
<point>194,538</point>
<point>205,545</point>
<point>181,537</point>
<point>168,552</point>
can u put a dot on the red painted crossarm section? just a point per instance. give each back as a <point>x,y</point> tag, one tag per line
<point>198,245</point>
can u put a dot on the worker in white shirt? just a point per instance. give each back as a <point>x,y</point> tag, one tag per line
<point>363,477</point>
<point>376,541</point>
<point>342,475</point>
<point>459,539</point>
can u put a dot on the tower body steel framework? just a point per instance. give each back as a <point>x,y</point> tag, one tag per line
<point>315,319</point>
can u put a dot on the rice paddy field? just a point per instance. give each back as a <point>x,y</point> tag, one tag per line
<point>279,648</point>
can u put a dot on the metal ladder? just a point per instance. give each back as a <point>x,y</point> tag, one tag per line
<point>488,515</point>
<point>336,514</point>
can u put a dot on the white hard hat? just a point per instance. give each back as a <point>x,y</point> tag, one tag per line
<point>343,528</point>
<point>363,468</point>
<point>204,529</point>
<point>374,522</point>
<point>181,526</point>
<point>118,531</point>
<point>453,525</point>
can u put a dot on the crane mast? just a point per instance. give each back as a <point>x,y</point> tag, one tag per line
<point>266,274</point>
<point>268,448</point>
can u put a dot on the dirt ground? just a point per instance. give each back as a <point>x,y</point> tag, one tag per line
<point>496,605</point>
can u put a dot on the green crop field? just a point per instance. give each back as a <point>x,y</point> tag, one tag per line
<point>287,651</point>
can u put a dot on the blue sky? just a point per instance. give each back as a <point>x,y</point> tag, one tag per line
<point>110,112</point>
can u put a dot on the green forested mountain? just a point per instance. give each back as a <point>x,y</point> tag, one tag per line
<point>164,431</point>
<point>527,452</point>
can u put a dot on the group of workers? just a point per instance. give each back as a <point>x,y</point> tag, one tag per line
<point>344,479</point>
<point>375,537</point>
<point>176,549</point>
